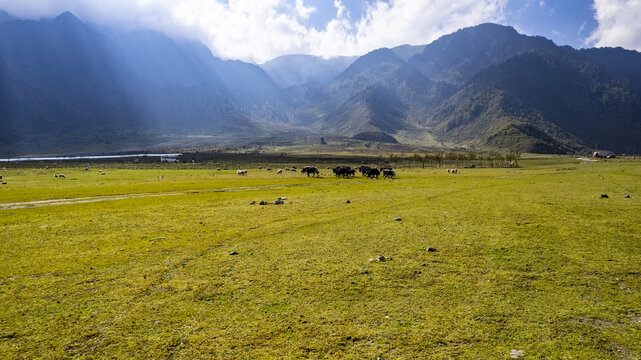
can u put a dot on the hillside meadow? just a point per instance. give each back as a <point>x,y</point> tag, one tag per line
<point>137,263</point>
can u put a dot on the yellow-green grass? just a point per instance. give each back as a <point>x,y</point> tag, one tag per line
<point>530,258</point>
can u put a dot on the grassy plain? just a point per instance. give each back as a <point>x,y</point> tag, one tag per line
<point>529,258</point>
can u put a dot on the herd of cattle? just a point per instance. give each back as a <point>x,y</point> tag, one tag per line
<point>340,171</point>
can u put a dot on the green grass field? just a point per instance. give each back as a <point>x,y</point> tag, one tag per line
<point>528,259</point>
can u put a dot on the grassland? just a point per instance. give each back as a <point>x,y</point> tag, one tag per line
<point>529,258</point>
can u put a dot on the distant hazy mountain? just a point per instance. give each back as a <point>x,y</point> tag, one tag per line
<point>545,103</point>
<point>405,52</point>
<point>66,85</point>
<point>381,92</point>
<point>291,70</point>
<point>63,81</point>
<point>490,87</point>
<point>456,57</point>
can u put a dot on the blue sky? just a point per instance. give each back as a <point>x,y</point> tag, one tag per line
<point>568,22</point>
<point>259,30</point>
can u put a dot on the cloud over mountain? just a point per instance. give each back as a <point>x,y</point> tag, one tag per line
<point>619,23</point>
<point>259,30</point>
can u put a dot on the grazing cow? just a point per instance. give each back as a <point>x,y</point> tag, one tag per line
<point>373,173</point>
<point>344,171</point>
<point>364,170</point>
<point>310,170</point>
<point>452,171</point>
<point>0,177</point>
<point>388,173</point>
<point>62,176</point>
<point>280,171</point>
<point>241,172</point>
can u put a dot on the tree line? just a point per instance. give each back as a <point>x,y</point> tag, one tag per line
<point>508,159</point>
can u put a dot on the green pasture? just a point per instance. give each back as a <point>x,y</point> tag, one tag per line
<point>529,258</point>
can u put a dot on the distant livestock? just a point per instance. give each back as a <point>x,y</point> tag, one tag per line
<point>373,173</point>
<point>242,172</point>
<point>280,171</point>
<point>388,174</point>
<point>344,171</point>
<point>452,171</point>
<point>310,170</point>
<point>59,176</point>
<point>364,169</point>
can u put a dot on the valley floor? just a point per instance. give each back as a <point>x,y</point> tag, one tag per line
<point>529,258</point>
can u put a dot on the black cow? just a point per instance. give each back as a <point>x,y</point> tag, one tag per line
<point>373,172</point>
<point>364,169</point>
<point>388,173</point>
<point>310,170</point>
<point>344,171</point>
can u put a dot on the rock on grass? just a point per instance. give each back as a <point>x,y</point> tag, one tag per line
<point>380,258</point>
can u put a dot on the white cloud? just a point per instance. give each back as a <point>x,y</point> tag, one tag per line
<point>341,10</point>
<point>258,30</point>
<point>541,3</point>
<point>619,24</point>
<point>304,11</point>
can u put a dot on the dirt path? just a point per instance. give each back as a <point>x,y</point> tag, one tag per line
<point>52,202</point>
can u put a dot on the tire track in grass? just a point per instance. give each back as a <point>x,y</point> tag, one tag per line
<point>71,201</point>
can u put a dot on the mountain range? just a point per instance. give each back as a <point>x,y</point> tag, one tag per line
<point>67,86</point>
